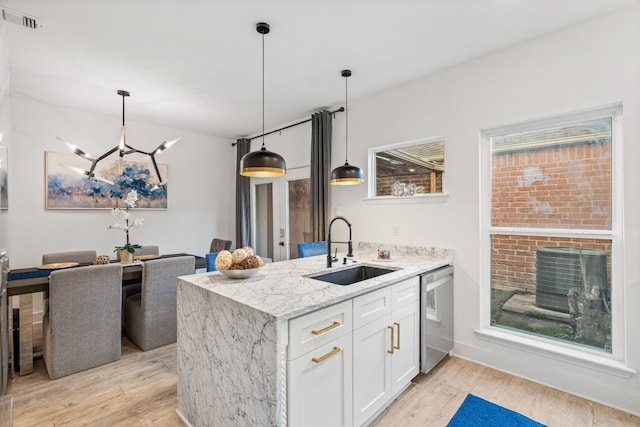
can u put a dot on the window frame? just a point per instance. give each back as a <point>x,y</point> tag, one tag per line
<point>372,198</point>
<point>614,361</point>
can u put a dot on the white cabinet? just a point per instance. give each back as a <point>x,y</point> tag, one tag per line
<point>405,361</point>
<point>371,306</point>
<point>371,369</point>
<point>320,368</point>
<point>348,361</point>
<point>319,327</point>
<point>320,392</point>
<point>386,355</point>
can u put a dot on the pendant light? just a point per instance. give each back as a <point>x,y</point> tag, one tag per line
<point>346,174</point>
<point>263,163</point>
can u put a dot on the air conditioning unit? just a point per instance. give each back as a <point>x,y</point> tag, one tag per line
<point>558,270</point>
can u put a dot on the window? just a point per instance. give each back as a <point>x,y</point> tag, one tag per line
<point>407,169</point>
<point>550,229</point>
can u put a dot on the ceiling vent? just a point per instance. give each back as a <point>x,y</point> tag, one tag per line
<point>22,19</point>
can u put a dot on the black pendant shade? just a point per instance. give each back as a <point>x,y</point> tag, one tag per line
<point>263,163</point>
<point>346,174</point>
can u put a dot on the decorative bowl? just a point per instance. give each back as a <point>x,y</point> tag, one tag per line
<point>240,274</point>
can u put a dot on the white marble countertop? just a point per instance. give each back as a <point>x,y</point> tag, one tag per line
<point>281,289</point>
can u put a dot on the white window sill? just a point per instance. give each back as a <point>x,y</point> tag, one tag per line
<point>586,360</point>
<point>421,198</point>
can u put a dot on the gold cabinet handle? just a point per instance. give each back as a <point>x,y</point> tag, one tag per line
<point>333,352</point>
<point>392,333</point>
<point>398,325</point>
<point>327,329</point>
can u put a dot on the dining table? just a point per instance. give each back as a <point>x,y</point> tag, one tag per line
<point>36,279</point>
<point>25,282</point>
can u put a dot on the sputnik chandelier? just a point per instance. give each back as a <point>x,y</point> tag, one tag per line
<point>123,149</point>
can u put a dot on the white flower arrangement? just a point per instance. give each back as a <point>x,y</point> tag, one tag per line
<point>124,215</point>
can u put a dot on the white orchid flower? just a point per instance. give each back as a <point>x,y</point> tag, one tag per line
<point>120,213</point>
<point>138,222</point>
<point>122,227</point>
<point>124,215</point>
<point>132,198</point>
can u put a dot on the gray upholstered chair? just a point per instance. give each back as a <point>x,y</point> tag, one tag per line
<point>81,330</point>
<point>151,315</point>
<point>218,245</point>
<point>81,257</point>
<point>134,288</point>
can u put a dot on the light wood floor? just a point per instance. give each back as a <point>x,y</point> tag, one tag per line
<point>140,390</point>
<point>433,399</point>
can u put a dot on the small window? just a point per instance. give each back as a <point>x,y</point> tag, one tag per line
<point>407,169</point>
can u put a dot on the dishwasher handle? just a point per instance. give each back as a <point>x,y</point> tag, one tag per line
<point>431,286</point>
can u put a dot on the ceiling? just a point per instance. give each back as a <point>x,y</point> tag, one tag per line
<point>196,64</point>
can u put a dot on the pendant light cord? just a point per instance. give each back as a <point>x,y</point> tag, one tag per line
<point>263,90</point>
<point>346,120</point>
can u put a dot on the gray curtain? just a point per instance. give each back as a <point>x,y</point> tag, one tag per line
<point>243,201</point>
<point>320,173</point>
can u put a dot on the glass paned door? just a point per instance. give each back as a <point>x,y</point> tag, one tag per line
<point>263,205</point>
<point>281,210</point>
<point>299,193</point>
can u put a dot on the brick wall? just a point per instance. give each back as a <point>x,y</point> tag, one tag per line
<point>560,187</point>
<point>385,183</point>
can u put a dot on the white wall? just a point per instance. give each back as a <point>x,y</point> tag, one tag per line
<point>200,190</point>
<point>5,110</point>
<point>593,64</point>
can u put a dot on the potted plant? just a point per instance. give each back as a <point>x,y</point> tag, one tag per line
<point>128,249</point>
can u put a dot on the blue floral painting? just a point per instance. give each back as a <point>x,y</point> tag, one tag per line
<point>68,189</point>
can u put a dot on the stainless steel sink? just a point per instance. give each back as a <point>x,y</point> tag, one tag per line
<point>349,276</point>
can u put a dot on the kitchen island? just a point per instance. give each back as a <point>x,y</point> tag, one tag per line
<point>233,335</point>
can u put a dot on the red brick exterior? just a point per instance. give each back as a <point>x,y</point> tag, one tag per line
<point>567,187</point>
<point>561,187</point>
<point>384,184</point>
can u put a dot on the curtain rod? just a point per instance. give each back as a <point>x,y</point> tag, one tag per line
<point>339,110</point>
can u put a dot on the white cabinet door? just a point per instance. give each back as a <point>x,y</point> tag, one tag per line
<point>405,361</point>
<point>320,386</point>
<point>371,369</point>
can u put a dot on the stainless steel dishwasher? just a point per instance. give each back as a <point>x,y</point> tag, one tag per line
<point>436,317</point>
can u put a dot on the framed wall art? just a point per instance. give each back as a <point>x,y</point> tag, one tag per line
<point>67,188</point>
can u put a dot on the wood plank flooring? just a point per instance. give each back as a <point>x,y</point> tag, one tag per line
<point>140,390</point>
<point>432,399</point>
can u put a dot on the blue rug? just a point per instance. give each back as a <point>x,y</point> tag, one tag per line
<point>477,412</point>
